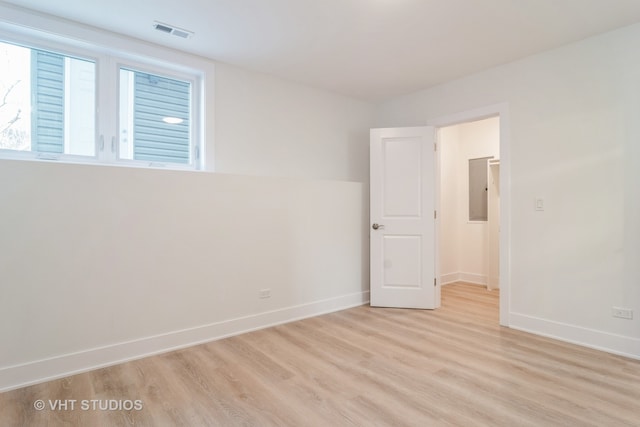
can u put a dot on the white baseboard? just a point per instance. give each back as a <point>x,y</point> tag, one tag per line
<point>22,375</point>
<point>448,278</point>
<point>599,340</point>
<point>478,279</point>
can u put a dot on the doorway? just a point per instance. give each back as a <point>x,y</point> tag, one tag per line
<point>465,152</point>
<point>473,247</point>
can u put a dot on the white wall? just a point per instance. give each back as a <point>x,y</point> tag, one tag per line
<point>115,263</point>
<point>573,119</point>
<point>463,243</point>
<point>267,126</point>
<point>449,237</point>
<point>100,264</point>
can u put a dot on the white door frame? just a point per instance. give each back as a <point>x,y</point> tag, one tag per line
<point>502,111</point>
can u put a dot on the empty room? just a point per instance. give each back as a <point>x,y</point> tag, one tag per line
<point>300,213</point>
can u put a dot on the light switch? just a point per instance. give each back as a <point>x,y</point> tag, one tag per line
<point>539,204</point>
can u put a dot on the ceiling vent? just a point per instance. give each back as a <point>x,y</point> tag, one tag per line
<point>170,29</point>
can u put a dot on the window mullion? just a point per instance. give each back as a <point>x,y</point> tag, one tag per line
<point>106,110</point>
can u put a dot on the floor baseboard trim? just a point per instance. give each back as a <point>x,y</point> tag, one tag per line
<point>448,278</point>
<point>476,279</point>
<point>17,376</point>
<point>591,338</point>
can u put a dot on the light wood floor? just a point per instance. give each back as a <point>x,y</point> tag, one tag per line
<point>386,367</point>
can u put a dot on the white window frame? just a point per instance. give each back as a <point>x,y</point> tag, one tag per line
<point>108,64</point>
<point>194,119</point>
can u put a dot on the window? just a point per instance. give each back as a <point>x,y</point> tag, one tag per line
<point>478,189</point>
<point>48,101</point>
<point>50,108</point>
<point>154,118</point>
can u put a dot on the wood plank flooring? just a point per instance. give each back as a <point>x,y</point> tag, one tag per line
<point>359,367</point>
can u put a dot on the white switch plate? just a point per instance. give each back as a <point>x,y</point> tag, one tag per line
<point>539,204</point>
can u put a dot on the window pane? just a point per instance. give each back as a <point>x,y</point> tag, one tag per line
<point>48,102</point>
<point>154,118</point>
<point>15,91</point>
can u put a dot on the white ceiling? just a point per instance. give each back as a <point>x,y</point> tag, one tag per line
<point>367,49</point>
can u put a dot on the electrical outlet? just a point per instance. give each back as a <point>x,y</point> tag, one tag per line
<point>265,293</point>
<point>623,313</point>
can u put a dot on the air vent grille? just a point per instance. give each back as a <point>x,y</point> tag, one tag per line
<point>170,29</point>
<point>180,33</point>
<point>163,28</point>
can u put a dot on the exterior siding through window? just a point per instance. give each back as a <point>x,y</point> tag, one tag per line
<point>156,98</point>
<point>47,120</point>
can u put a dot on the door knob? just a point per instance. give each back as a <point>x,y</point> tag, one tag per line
<point>375,226</point>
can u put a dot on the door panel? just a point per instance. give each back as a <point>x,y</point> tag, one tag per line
<point>402,218</point>
<point>402,164</point>
<point>402,265</point>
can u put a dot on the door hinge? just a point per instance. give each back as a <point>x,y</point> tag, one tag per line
<point>435,214</point>
<point>435,146</point>
<point>434,281</point>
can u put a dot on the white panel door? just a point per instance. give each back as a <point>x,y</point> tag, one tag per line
<point>402,218</point>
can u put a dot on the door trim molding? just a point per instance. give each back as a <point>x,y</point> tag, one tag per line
<point>500,110</point>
